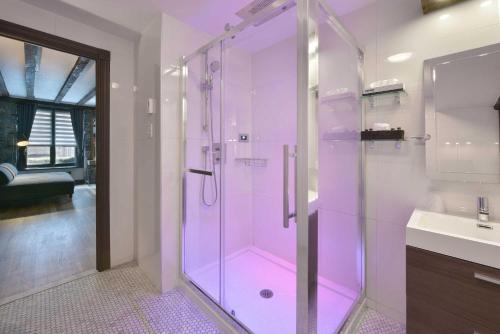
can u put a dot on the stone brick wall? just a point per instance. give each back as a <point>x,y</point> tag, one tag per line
<point>88,146</point>
<point>8,132</point>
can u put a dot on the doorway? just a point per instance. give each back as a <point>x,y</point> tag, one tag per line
<point>54,214</point>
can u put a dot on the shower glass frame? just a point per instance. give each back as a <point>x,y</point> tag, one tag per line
<point>308,13</point>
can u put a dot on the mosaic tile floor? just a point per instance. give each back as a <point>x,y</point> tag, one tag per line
<point>123,300</point>
<point>373,322</point>
<point>117,301</point>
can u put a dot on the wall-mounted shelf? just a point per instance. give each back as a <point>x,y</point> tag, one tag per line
<point>332,99</point>
<point>372,135</point>
<point>252,162</point>
<point>395,93</point>
<point>396,135</point>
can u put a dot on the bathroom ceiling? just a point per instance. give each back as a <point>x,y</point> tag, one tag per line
<point>26,67</point>
<point>209,16</point>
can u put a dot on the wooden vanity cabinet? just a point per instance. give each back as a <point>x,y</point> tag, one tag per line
<point>450,295</point>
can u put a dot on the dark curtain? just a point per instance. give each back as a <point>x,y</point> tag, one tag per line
<point>25,117</point>
<point>77,122</point>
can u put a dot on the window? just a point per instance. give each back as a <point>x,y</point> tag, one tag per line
<point>65,139</point>
<point>52,140</point>
<point>40,140</point>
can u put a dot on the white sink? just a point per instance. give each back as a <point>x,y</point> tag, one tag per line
<point>455,236</point>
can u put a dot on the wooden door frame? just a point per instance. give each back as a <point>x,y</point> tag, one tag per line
<point>102,59</point>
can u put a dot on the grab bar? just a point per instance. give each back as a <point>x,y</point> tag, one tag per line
<point>286,200</point>
<point>200,171</point>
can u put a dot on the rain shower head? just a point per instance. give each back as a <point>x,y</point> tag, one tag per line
<point>256,6</point>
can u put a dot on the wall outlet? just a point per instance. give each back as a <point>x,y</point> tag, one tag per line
<point>150,130</point>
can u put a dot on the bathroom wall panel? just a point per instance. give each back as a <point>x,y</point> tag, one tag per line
<point>147,155</point>
<point>177,40</point>
<point>396,180</point>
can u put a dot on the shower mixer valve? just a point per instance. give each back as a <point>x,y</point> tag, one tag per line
<point>216,152</point>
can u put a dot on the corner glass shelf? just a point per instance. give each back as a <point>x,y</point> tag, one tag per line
<point>333,99</point>
<point>394,95</point>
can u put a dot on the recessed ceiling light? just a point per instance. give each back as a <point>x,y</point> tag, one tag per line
<point>486,3</point>
<point>444,17</point>
<point>115,85</point>
<point>399,57</point>
<point>468,143</point>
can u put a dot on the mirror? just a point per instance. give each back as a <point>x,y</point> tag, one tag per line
<point>461,94</point>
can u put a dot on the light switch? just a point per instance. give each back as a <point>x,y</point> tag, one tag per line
<point>151,106</point>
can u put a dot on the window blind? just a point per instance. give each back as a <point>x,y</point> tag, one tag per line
<point>41,132</point>
<point>64,129</point>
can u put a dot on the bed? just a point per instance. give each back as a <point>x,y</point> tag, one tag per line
<point>28,186</point>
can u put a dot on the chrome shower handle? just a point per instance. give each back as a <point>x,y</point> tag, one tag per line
<point>286,203</point>
<point>286,197</point>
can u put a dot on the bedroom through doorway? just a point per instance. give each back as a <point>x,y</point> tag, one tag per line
<point>49,143</point>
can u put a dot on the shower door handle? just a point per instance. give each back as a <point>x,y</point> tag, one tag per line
<point>286,197</point>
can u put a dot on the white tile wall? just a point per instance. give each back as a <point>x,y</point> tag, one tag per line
<point>396,182</point>
<point>177,40</point>
<point>147,158</point>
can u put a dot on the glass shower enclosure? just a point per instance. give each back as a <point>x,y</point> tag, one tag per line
<point>272,228</point>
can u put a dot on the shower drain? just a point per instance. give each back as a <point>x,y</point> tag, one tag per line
<point>266,293</point>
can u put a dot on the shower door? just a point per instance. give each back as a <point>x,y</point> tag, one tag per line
<point>335,166</point>
<point>202,172</point>
<point>260,231</point>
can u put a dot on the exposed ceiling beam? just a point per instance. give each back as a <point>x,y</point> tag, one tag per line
<point>32,57</point>
<point>80,65</point>
<point>3,87</point>
<point>87,97</point>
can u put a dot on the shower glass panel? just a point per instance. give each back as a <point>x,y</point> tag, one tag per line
<point>260,100</point>
<point>202,174</point>
<point>275,97</point>
<point>337,168</point>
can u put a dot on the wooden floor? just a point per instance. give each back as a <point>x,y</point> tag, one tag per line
<point>46,241</point>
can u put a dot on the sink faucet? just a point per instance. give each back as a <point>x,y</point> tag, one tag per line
<point>483,210</point>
